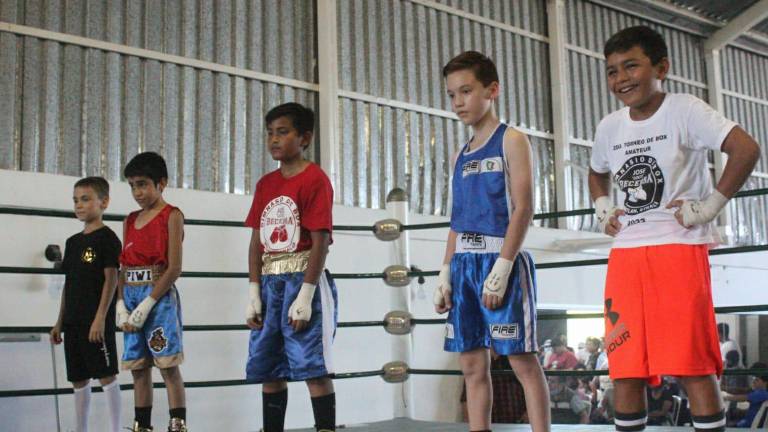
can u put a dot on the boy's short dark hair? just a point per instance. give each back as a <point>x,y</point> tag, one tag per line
<point>302,118</point>
<point>98,184</point>
<point>147,164</point>
<point>557,342</point>
<point>651,42</point>
<point>480,65</point>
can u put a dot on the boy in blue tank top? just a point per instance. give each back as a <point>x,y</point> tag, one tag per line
<point>487,282</point>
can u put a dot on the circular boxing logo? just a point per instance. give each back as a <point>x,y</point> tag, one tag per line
<point>280,225</point>
<point>642,181</point>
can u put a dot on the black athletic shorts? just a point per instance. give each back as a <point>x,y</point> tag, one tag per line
<point>86,360</point>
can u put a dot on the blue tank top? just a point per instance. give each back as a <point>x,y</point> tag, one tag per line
<point>481,203</point>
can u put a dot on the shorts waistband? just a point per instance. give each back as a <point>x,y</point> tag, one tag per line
<point>478,243</point>
<point>135,276</point>
<point>288,262</point>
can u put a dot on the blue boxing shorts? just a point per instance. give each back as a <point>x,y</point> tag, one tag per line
<point>510,328</point>
<point>159,341</point>
<point>276,352</point>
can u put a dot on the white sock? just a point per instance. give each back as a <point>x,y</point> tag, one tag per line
<point>112,393</point>
<point>82,406</point>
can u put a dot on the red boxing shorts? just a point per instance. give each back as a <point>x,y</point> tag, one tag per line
<point>659,318</point>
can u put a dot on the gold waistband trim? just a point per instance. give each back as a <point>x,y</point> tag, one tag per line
<point>135,276</point>
<point>289,262</point>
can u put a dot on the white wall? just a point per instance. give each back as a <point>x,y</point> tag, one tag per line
<point>30,300</point>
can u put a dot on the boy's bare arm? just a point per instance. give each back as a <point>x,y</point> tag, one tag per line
<point>520,166</point>
<point>173,271</point>
<point>254,257</point>
<point>743,153</point>
<point>300,311</point>
<point>56,330</point>
<point>253,310</point>
<point>450,246</point>
<point>317,255</point>
<point>599,184</point>
<point>96,333</point>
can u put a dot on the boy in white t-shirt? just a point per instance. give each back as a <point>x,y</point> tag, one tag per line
<point>659,316</point>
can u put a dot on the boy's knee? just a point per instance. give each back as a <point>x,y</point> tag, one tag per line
<point>274,386</point>
<point>170,373</point>
<point>141,373</point>
<point>107,380</point>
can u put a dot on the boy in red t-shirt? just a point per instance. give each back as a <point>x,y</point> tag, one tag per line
<point>293,319</point>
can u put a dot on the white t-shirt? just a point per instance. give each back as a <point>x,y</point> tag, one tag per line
<point>656,161</point>
<point>730,345</point>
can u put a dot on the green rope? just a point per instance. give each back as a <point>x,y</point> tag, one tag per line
<point>21,211</point>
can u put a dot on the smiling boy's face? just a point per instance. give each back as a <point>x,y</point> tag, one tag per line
<point>633,78</point>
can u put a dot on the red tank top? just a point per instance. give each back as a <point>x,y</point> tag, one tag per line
<point>148,245</point>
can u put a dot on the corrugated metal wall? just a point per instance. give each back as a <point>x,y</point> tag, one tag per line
<point>81,111</point>
<point>396,50</point>
<point>589,26</point>
<point>271,36</point>
<point>77,110</point>
<point>746,73</point>
<point>525,14</point>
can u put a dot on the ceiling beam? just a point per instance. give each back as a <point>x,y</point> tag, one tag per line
<point>749,18</point>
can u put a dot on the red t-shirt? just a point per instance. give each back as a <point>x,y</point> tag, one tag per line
<point>565,360</point>
<point>149,245</point>
<point>286,210</point>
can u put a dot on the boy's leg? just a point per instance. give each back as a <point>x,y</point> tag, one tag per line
<point>142,396</point>
<point>630,404</point>
<point>82,404</point>
<point>274,402</point>
<point>323,403</point>
<point>174,384</point>
<point>475,365</point>
<point>682,333</point>
<point>706,403</point>
<point>112,393</point>
<point>528,371</point>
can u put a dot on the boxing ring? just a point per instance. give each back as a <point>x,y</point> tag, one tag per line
<point>395,322</point>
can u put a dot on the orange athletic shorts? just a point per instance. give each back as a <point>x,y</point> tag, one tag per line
<point>659,318</point>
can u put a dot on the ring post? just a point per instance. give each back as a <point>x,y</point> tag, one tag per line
<point>400,299</point>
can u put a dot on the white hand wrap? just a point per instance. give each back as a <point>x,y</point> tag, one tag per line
<point>604,209</point>
<point>140,314</point>
<point>443,285</point>
<point>254,305</point>
<point>496,282</point>
<point>121,313</point>
<point>702,212</point>
<point>301,308</point>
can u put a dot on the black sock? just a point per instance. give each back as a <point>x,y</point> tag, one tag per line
<point>630,422</point>
<point>144,416</point>
<point>180,413</point>
<point>324,408</point>
<point>709,423</point>
<point>273,405</point>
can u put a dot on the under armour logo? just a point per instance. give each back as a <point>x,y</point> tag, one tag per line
<point>613,316</point>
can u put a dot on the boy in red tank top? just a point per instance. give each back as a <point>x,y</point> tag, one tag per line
<point>149,309</point>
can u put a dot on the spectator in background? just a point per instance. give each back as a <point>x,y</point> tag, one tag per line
<point>545,352</point>
<point>756,397</point>
<point>592,348</point>
<point>603,412</point>
<point>561,358</point>
<point>659,404</point>
<point>727,344</point>
<point>735,385</point>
